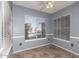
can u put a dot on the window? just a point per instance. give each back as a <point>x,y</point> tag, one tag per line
<point>62,27</point>
<point>34,27</point>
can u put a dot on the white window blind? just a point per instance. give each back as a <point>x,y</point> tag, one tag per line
<point>62,27</point>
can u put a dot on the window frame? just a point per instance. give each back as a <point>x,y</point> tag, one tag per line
<point>36,32</point>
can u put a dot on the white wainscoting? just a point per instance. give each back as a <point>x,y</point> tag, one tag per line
<point>18,36</point>
<point>31,48</point>
<point>28,44</point>
<point>65,49</point>
<point>74,37</point>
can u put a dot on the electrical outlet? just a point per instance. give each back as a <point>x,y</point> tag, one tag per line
<point>20,44</point>
<point>48,39</point>
<point>72,44</point>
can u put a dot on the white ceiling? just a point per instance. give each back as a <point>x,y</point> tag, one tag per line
<point>36,5</point>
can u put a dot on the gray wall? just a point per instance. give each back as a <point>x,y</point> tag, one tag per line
<point>73,11</point>
<point>19,27</point>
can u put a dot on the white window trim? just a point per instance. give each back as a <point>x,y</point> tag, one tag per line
<point>28,40</point>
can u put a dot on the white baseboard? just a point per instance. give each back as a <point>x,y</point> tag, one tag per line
<point>1,49</point>
<point>6,53</point>
<point>31,48</point>
<point>45,45</point>
<point>65,49</point>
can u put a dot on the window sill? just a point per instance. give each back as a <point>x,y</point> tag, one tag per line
<point>35,39</point>
<point>49,34</point>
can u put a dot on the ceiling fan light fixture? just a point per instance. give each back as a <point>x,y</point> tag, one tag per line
<point>51,5</point>
<point>47,6</point>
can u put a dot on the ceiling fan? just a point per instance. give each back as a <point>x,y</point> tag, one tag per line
<point>46,5</point>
